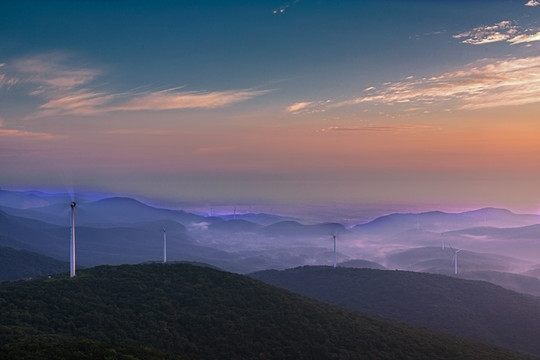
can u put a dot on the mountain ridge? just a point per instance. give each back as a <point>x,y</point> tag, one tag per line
<point>205,313</point>
<point>475,309</point>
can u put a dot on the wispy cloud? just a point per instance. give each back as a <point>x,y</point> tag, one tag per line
<point>53,72</point>
<point>532,3</point>
<point>389,128</point>
<point>78,102</point>
<point>299,106</point>
<point>171,99</point>
<point>140,132</point>
<point>484,84</point>
<point>308,107</point>
<point>5,80</point>
<point>501,31</point>
<point>70,90</point>
<point>24,134</point>
<point>14,133</point>
<point>525,38</point>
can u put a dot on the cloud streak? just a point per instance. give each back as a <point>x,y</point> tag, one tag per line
<point>532,3</point>
<point>484,84</point>
<point>69,90</point>
<point>51,72</point>
<point>501,31</point>
<point>24,134</point>
<point>5,80</point>
<point>389,128</point>
<point>171,99</point>
<point>299,106</point>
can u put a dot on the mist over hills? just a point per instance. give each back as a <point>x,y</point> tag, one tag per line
<point>201,312</point>
<point>119,230</point>
<point>116,230</point>
<point>438,260</point>
<point>474,309</point>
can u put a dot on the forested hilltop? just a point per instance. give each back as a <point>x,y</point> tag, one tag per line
<point>472,309</point>
<point>203,313</point>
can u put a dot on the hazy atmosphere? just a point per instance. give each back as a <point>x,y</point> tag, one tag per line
<point>302,179</point>
<point>256,102</point>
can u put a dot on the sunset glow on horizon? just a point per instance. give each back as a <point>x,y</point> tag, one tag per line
<point>417,102</point>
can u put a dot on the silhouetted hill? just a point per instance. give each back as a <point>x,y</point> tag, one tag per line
<point>437,221</point>
<point>30,199</point>
<point>109,245</point>
<point>522,232</point>
<point>119,211</point>
<point>436,260</point>
<point>208,314</point>
<point>34,235</point>
<point>516,282</point>
<point>22,264</point>
<point>475,309</point>
<point>361,264</point>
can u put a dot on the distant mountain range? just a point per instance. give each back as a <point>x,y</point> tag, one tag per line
<point>202,313</point>
<point>116,230</point>
<point>438,221</point>
<point>437,260</point>
<point>474,309</point>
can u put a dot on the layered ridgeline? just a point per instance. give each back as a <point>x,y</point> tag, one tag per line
<point>23,264</point>
<point>475,309</point>
<point>204,313</point>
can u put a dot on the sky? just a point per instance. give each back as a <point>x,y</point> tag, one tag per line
<point>287,102</point>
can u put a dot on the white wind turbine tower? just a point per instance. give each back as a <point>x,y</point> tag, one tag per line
<point>72,247</point>
<point>164,245</point>
<point>455,261</point>
<point>335,256</point>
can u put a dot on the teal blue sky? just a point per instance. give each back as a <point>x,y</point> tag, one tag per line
<point>274,101</point>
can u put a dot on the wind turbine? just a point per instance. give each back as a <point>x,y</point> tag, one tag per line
<point>442,240</point>
<point>335,256</point>
<point>454,261</point>
<point>164,245</point>
<point>72,247</point>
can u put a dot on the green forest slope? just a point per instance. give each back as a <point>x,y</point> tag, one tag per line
<point>474,309</point>
<point>205,313</point>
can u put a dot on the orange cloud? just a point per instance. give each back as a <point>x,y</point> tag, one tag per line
<point>173,100</point>
<point>68,90</point>
<point>378,128</point>
<point>486,84</point>
<point>13,133</point>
